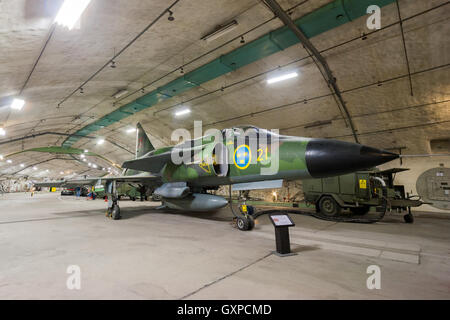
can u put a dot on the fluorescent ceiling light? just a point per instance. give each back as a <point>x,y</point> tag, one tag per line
<point>86,150</point>
<point>22,165</point>
<point>1,157</point>
<point>94,166</point>
<point>220,31</point>
<point>84,160</point>
<point>9,161</point>
<point>61,172</point>
<point>119,94</point>
<point>182,112</point>
<point>89,164</point>
<point>70,12</point>
<point>2,132</point>
<point>17,104</point>
<point>282,77</point>
<point>101,141</point>
<point>82,156</point>
<point>131,130</point>
<point>35,168</point>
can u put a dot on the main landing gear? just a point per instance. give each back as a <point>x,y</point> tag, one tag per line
<point>113,211</point>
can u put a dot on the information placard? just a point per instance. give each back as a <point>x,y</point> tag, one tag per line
<point>281,220</point>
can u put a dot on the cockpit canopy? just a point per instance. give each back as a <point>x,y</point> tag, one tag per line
<point>248,130</point>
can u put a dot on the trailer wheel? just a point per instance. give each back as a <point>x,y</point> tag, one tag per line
<point>409,218</point>
<point>329,207</point>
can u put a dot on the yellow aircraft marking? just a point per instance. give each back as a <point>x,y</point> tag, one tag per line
<point>205,167</point>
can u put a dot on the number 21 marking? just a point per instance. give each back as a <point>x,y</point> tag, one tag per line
<point>261,152</point>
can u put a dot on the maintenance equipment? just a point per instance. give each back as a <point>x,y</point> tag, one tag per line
<point>358,192</point>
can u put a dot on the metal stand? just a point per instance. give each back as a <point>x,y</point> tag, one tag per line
<point>282,240</point>
<point>282,222</point>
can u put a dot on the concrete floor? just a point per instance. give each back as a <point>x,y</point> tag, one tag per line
<point>154,255</point>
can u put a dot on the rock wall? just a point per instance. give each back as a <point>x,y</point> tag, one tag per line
<point>15,185</point>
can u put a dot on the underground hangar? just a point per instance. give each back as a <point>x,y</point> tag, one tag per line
<point>218,150</point>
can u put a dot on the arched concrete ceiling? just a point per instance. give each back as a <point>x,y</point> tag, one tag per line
<point>372,74</point>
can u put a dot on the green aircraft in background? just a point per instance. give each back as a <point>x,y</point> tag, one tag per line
<point>244,158</point>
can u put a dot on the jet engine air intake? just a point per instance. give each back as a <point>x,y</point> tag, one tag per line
<point>220,159</point>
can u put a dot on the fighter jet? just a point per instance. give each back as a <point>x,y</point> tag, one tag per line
<point>243,158</point>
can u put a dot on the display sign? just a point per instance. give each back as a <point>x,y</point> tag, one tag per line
<point>281,220</point>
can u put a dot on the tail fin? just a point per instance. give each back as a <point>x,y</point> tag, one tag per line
<point>143,144</point>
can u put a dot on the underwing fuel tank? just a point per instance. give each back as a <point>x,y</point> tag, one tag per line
<point>196,202</point>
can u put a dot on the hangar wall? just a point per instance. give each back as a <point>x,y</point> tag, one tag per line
<point>15,185</point>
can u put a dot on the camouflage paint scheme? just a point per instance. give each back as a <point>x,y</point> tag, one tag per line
<point>292,163</point>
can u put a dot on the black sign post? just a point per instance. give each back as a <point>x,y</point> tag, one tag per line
<point>282,222</point>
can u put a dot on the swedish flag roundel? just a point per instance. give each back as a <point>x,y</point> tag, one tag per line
<point>242,157</point>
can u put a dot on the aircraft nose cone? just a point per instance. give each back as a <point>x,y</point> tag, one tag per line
<point>325,158</point>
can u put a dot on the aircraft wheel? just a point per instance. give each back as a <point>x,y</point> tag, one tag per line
<point>115,213</point>
<point>329,207</point>
<point>251,222</point>
<point>245,223</point>
<point>409,218</point>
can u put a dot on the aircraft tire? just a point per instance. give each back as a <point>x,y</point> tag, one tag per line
<point>251,222</point>
<point>243,224</point>
<point>115,213</point>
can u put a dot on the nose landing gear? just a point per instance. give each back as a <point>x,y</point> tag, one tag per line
<point>243,220</point>
<point>245,223</point>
